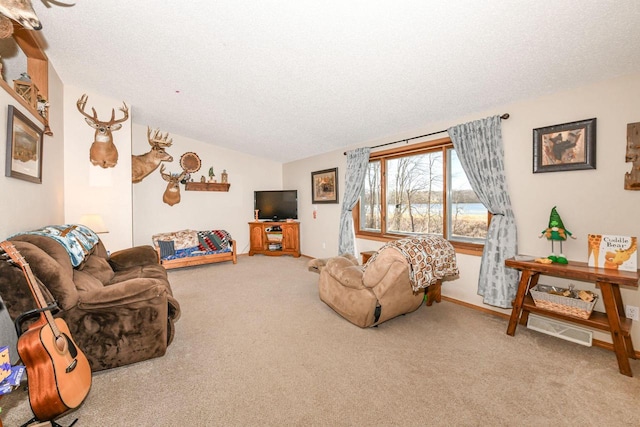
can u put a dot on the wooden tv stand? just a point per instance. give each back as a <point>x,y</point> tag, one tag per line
<point>288,237</point>
<point>609,282</point>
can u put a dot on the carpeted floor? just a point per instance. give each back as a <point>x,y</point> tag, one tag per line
<point>256,346</point>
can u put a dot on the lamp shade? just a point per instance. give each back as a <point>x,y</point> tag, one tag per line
<point>94,222</point>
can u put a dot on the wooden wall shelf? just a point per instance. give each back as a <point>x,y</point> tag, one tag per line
<point>37,68</point>
<point>206,186</point>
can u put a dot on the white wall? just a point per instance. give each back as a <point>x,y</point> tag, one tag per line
<point>91,189</point>
<point>201,210</point>
<point>319,236</point>
<point>590,201</point>
<point>27,206</point>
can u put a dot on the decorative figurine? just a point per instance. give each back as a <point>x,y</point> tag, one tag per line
<point>556,232</point>
<point>256,214</point>
<point>225,176</point>
<point>211,175</point>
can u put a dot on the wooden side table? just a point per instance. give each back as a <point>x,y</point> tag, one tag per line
<point>366,255</point>
<point>609,282</point>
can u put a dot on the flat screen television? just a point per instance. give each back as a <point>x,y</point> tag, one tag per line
<point>276,205</point>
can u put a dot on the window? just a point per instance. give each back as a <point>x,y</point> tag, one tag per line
<point>421,189</point>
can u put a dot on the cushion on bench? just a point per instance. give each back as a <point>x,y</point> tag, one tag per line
<point>188,243</point>
<point>181,239</point>
<point>167,248</point>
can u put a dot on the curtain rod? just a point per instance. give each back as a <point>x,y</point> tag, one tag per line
<point>505,116</point>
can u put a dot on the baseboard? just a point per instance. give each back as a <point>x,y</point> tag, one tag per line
<point>596,343</point>
<point>475,307</point>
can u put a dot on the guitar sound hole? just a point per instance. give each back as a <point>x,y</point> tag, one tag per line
<point>61,343</point>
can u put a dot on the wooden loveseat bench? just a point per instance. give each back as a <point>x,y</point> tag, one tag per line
<point>187,248</point>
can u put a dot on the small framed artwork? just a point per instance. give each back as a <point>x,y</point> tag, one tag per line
<point>565,147</point>
<point>324,186</point>
<point>24,148</point>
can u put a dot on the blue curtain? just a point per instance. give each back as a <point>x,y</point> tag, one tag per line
<point>479,148</point>
<point>357,163</point>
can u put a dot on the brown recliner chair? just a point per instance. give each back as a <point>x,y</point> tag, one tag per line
<point>369,296</point>
<point>119,308</point>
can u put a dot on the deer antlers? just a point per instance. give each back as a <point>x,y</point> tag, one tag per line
<point>170,177</point>
<point>143,164</point>
<point>103,152</point>
<point>157,139</point>
<point>82,102</point>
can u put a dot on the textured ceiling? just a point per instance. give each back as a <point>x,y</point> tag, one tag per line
<point>290,79</point>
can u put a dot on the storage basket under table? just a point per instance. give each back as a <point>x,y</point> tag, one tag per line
<point>568,306</point>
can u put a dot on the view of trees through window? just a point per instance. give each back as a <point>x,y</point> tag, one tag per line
<point>422,192</point>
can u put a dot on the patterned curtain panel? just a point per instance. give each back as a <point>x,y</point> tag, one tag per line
<point>357,162</point>
<point>479,148</point>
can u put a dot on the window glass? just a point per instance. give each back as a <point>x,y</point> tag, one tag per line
<point>370,199</point>
<point>414,194</point>
<point>421,190</point>
<point>468,217</point>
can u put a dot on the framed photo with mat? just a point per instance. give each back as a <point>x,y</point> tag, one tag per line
<point>565,147</point>
<point>324,186</point>
<point>24,148</point>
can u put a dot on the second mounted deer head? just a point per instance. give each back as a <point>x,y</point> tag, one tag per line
<point>103,151</point>
<point>171,194</point>
<point>143,164</point>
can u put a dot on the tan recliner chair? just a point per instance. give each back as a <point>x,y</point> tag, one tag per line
<point>369,296</point>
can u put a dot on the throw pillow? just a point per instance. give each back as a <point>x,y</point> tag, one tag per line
<point>214,240</point>
<point>208,241</point>
<point>166,248</point>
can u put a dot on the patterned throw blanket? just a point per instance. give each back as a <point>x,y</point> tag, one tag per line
<point>77,239</point>
<point>187,243</point>
<point>430,257</point>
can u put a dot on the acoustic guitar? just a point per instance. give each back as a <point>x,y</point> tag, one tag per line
<point>58,373</point>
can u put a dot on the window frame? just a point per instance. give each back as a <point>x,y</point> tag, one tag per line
<point>441,144</point>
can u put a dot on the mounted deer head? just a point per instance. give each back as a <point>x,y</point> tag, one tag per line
<point>143,164</point>
<point>22,12</point>
<point>103,152</point>
<point>171,194</point>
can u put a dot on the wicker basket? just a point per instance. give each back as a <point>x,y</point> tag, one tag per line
<point>574,307</point>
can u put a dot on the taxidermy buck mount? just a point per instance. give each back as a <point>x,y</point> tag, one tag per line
<point>20,11</point>
<point>171,195</point>
<point>143,164</point>
<point>103,152</point>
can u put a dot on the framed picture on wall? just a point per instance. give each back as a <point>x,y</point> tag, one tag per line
<point>324,186</point>
<point>24,148</point>
<point>565,147</point>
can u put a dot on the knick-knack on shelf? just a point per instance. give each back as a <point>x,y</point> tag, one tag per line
<point>256,214</point>
<point>225,176</point>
